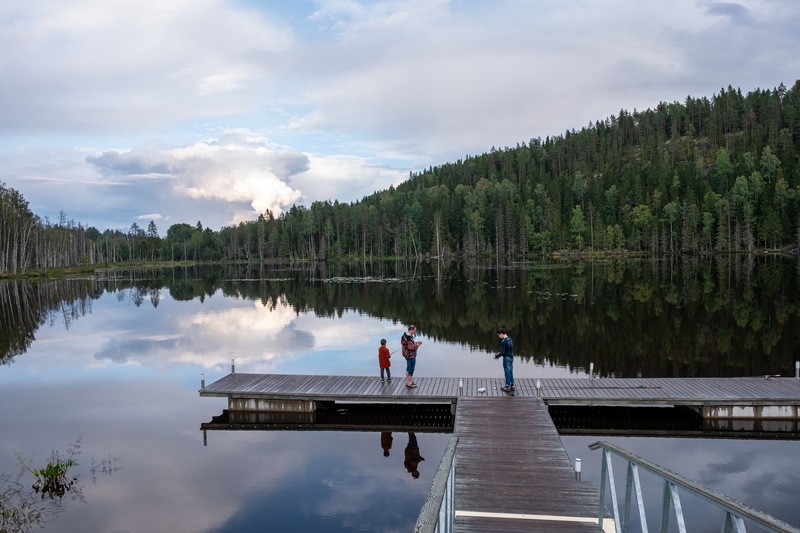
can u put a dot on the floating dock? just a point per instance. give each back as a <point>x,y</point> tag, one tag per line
<point>511,472</point>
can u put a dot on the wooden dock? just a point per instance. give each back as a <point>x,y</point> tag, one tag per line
<point>753,392</point>
<point>512,473</point>
<point>511,470</point>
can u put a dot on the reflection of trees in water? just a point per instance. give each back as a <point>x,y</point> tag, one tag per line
<point>25,306</point>
<point>720,316</point>
<point>724,316</point>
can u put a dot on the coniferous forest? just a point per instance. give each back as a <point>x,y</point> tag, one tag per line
<point>703,176</point>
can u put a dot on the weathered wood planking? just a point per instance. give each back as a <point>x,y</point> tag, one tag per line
<point>575,391</point>
<point>509,461</point>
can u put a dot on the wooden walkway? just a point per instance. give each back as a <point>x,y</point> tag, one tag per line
<point>512,473</point>
<point>511,470</point>
<point>569,391</point>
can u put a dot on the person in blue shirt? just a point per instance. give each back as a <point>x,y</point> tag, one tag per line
<point>507,353</point>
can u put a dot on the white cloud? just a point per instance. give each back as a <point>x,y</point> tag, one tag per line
<point>343,176</point>
<point>237,169</point>
<point>357,92</point>
<point>91,65</point>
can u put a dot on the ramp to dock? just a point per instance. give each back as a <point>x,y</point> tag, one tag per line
<point>512,473</point>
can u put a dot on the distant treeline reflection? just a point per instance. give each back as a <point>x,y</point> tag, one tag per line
<point>722,316</point>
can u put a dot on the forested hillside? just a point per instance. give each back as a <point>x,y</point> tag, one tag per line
<point>706,175</point>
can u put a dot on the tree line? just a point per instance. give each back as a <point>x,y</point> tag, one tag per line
<point>703,176</point>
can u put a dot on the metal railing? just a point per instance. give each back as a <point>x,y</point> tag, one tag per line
<point>438,512</point>
<point>735,514</point>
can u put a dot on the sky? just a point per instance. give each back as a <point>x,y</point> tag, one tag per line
<point>116,112</point>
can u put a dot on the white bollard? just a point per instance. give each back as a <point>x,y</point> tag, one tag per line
<point>203,381</point>
<point>577,469</point>
<point>460,386</point>
<point>538,387</point>
<point>591,370</point>
<point>233,368</point>
<point>797,370</point>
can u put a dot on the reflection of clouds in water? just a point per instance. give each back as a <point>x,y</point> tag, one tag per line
<point>254,334</point>
<point>168,480</point>
<point>754,472</point>
<point>364,488</point>
<point>261,338</point>
<point>350,329</point>
<point>135,349</point>
<point>759,478</point>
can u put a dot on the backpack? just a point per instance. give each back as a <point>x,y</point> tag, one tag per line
<point>403,345</point>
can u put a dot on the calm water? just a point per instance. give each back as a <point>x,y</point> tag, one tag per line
<point>117,362</point>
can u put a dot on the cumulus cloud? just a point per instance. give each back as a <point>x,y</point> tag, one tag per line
<point>239,168</point>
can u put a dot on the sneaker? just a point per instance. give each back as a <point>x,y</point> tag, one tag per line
<point>506,388</point>
<point>412,386</point>
<point>511,388</point>
<point>389,380</point>
<point>383,380</point>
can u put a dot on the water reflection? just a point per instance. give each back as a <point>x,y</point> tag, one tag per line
<point>118,359</point>
<point>413,458</point>
<point>386,442</point>
<point>25,506</point>
<point>727,316</point>
<point>753,472</point>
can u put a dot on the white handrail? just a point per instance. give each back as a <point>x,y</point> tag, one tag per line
<point>736,513</point>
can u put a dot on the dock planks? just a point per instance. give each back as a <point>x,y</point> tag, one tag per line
<point>571,391</point>
<point>512,473</point>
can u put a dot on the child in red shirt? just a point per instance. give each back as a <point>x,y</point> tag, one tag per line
<point>383,361</point>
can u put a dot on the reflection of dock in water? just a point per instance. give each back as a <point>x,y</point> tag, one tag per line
<point>422,418</point>
<point>663,422</point>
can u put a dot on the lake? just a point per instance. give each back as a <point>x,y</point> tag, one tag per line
<point>115,361</point>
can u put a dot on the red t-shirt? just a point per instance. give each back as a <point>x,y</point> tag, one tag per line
<point>383,357</point>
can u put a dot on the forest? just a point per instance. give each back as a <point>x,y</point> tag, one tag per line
<point>703,176</point>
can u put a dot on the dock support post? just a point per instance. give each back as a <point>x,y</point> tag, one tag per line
<point>202,381</point>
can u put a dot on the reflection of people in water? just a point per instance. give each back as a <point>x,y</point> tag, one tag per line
<point>386,442</point>
<point>412,456</point>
